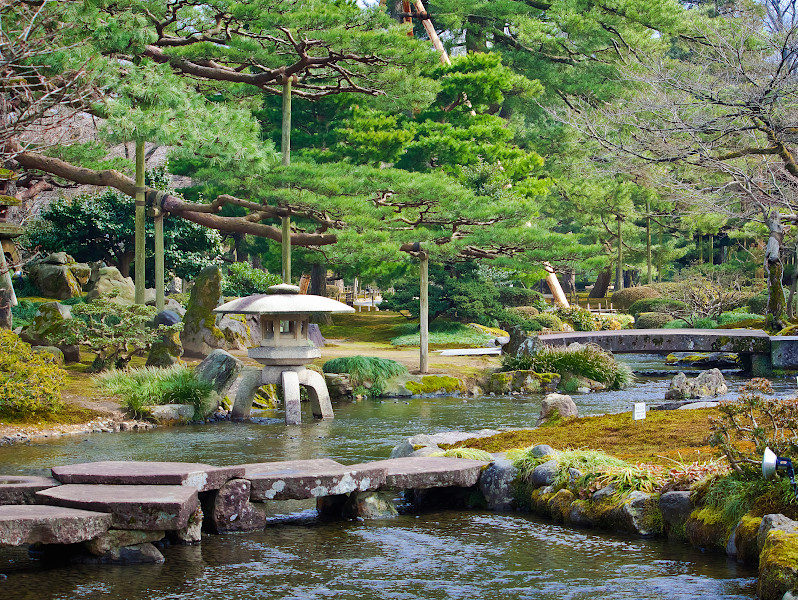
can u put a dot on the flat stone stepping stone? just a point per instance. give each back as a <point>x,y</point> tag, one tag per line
<point>302,479</point>
<point>197,475</point>
<point>26,524</point>
<point>19,489</point>
<point>146,507</point>
<point>428,472</point>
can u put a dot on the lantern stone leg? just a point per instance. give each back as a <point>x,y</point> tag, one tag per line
<point>293,412</point>
<point>318,393</point>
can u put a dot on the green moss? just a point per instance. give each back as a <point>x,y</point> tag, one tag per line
<point>706,528</point>
<point>559,505</point>
<point>431,384</point>
<point>745,539</point>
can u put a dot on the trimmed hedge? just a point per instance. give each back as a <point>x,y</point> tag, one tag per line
<point>658,305</point>
<point>30,382</point>
<point>518,296</point>
<point>652,320</point>
<point>623,299</point>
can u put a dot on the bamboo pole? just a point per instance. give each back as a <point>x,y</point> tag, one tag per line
<point>619,266</point>
<point>140,222</point>
<point>554,286</point>
<point>648,242</point>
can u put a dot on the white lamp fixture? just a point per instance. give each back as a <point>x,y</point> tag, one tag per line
<point>772,463</point>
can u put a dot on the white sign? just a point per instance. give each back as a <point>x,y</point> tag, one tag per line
<point>640,411</point>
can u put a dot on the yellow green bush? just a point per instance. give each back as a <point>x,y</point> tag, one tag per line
<point>30,382</point>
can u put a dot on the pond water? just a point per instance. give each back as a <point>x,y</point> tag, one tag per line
<point>447,555</point>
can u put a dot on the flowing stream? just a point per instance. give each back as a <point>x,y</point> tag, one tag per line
<point>442,555</point>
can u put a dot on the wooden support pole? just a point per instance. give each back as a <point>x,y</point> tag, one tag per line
<point>555,287</point>
<point>160,301</point>
<point>5,278</point>
<point>433,35</point>
<point>286,150</point>
<point>140,222</point>
<point>423,320</point>
<point>649,279</point>
<point>619,266</point>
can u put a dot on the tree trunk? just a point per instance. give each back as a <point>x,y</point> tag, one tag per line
<point>125,260</point>
<point>602,283</point>
<point>318,280</point>
<point>774,269</point>
<point>568,280</point>
<point>711,249</point>
<point>659,254</point>
<point>238,247</point>
<point>5,309</point>
<point>648,243</point>
<point>619,266</point>
<point>700,247</point>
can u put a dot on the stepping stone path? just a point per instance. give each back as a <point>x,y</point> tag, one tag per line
<point>429,472</point>
<point>302,479</point>
<point>132,506</point>
<point>22,490</point>
<point>197,475</point>
<point>116,508</point>
<point>27,524</point>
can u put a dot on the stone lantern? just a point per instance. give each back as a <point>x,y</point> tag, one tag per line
<point>285,348</point>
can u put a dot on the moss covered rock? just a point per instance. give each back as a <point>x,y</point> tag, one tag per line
<point>203,330</point>
<point>435,384</point>
<point>524,382</point>
<point>706,528</point>
<point>745,539</point>
<point>778,565</point>
<point>559,505</point>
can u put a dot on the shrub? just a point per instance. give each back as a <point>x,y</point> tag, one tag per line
<point>24,312</point>
<point>652,320</point>
<point>113,332</point>
<point>581,318</point>
<point>154,386</point>
<point>580,360</point>
<point>759,303</point>
<point>623,299</point>
<point>243,279</point>
<point>750,423</point>
<point>525,311</point>
<point>518,296</point>
<point>30,382</point>
<point>658,305</point>
<point>365,370</point>
<point>548,320</point>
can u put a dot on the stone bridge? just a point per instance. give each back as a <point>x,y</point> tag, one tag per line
<point>761,353</point>
<point>665,341</point>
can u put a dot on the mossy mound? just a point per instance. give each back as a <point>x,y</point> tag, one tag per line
<point>435,384</point>
<point>789,330</point>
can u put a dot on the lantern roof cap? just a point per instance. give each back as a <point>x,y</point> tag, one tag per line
<point>283,299</point>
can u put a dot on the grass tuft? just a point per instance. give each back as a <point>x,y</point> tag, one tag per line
<point>365,370</point>
<point>150,386</point>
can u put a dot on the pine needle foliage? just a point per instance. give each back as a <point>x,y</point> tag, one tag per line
<point>365,370</point>
<point>150,386</point>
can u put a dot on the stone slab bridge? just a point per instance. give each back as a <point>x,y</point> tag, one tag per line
<point>111,512</point>
<point>760,352</point>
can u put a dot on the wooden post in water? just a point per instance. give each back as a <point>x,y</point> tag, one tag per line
<point>140,222</point>
<point>423,320</point>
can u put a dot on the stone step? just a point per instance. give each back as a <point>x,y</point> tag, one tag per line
<point>28,524</point>
<point>197,475</point>
<point>18,489</point>
<point>427,472</point>
<point>302,479</point>
<point>146,507</point>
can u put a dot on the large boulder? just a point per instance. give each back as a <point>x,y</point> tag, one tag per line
<point>107,282</point>
<point>204,331</point>
<point>555,407</point>
<point>220,369</point>
<point>676,508</point>
<point>708,384</point>
<point>166,351</point>
<point>496,484</point>
<point>59,276</point>
<point>46,325</point>
<point>778,560</point>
